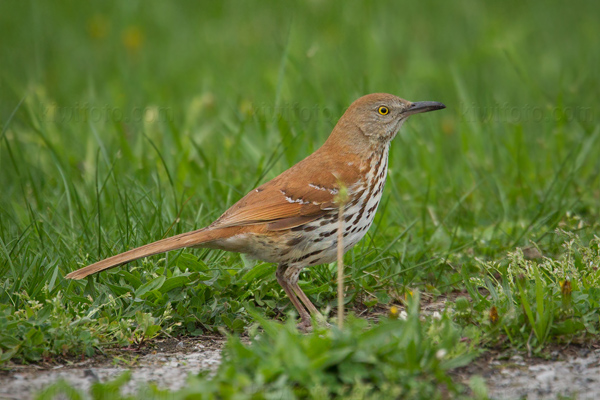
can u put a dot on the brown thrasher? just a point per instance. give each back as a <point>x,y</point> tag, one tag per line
<point>292,219</point>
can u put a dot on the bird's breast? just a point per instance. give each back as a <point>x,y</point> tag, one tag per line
<point>316,242</point>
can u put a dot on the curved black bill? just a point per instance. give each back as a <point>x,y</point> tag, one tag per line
<point>423,106</point>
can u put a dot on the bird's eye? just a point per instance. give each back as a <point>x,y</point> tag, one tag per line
<point>383,110</point>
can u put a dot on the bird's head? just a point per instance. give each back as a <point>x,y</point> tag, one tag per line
<point>378,117</point>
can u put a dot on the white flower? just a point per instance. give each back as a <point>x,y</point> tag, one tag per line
<point>441,353</point>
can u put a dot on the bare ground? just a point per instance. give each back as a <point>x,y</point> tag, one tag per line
<point>571,371</point>
<point>166,363</point>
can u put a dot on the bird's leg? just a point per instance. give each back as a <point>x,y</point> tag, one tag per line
<point>304,299</point>
<point>292,276</point>
<point>283,280</point>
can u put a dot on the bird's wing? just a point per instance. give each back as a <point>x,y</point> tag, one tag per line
<point>284,203</point>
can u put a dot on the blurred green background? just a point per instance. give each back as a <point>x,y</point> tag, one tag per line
<point>123,122</point>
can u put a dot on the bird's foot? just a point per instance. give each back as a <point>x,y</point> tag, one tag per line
<point>304,326</point>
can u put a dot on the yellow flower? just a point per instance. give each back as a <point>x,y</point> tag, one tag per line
<point>565,290</point>
<point>132,38</point>
<point>98,26</point>
<point>494,315</point>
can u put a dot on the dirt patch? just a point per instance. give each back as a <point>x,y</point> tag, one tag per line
<point>429,305</point>
<point>167,363</point>
<point>567,371</point>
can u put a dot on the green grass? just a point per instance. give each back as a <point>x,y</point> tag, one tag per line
<point>122,123</point>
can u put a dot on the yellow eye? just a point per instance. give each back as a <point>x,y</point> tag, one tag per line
<point>383,110</point>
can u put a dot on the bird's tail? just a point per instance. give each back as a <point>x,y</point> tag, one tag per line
<point>189,239</point>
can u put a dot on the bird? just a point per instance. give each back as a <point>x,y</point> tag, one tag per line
<point>292,220</point>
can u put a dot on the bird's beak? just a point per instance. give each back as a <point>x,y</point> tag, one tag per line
<point>422,106</point>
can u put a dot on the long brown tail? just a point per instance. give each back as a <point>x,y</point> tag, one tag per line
<point>188,239</point>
